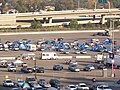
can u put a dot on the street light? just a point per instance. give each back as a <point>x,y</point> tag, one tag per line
<point>111,55</point>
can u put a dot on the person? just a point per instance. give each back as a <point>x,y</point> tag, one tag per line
<point>93,80</point>
<point>107,32</point>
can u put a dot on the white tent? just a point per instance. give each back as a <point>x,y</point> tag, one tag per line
<point>3,61</point>
<point>18,62</point>
<point>52,88</point>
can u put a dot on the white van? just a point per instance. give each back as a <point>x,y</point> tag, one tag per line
<point>48,55</point>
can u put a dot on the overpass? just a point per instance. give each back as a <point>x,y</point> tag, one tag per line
<point>47,17</point>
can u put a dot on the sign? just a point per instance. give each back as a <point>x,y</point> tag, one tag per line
<point>111,55</point>
<point>102,1</point>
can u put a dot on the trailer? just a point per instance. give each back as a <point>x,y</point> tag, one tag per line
<point>115,61</point>
<point>100,58</point>
<point>48,55</point>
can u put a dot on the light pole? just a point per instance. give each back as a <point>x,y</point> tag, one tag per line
<point>78,4</point>
<point>35,67</point>
<point>112,45</point>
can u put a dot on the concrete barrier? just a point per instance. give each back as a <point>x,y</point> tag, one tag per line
<point>83,56</point>
<point>7,58</point>
<point>65,57</point>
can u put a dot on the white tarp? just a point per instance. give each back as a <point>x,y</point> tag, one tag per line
<point>18,62</point>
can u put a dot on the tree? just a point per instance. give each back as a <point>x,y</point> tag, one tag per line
<point>36,24</point>
<point>117,23</point>
<point>64,5</point>
<point>73,23</point>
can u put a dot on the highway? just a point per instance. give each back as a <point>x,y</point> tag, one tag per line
<point>56,18</point>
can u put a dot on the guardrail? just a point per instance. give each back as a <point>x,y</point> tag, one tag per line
<point>7,58</point>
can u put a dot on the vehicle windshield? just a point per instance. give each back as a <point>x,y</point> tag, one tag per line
<point>106,88</point>
<point>83,85</point>
<point>72,86</point>
<point>9,81</point>
<point>20,81</point>
<point>31,79</point>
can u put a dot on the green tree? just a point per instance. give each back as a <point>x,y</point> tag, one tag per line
<point>64,5</point>
<point>116,24</point>
<point>73,23</point>
<point>36,24</point>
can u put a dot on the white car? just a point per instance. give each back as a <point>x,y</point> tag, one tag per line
<point>11,68</point>
<point>37,87</point>
<point>82,86</point>
<point>8,83</point>
<point>103,87</point>
<point>20,82</point>
<point>91,67</point>
<point>71,87</point>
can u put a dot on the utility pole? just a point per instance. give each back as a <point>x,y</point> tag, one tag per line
<point>95,5</point>
<point>78,4</point>
<point>112,45</point>
<point>109,5</point>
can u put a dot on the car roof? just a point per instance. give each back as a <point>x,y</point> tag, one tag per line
<point>7,79</point>
<point>82,84</point>
<point>71,85</point>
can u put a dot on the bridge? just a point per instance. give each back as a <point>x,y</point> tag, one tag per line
<point>47,17</point>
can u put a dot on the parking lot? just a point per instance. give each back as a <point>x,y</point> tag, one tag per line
<point>65,76</point>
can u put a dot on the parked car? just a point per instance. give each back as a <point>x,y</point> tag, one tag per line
<point>118,82</point>
<point>31,81</point>
<point>86,69</point>
<point>36,86</point>
<point>55,83</point>
<point>101,66</point>
<point>73,68</point>
<point>38,69</point>
<point>82,86</point>
<point>91,67</point>
<point>8,83</point>
<point>26,69</point>
<point>57,67</point>
<point>20,82</point>
<point>71,62</point>
<point>11,68</point>
<point>71,87</point>
<point>3,65</point>
<point>43,83</point>
<point>100,86</point>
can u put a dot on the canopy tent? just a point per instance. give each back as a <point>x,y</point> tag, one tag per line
<point>18,62</point>
<point>25,85</point>
<point>3,61</point>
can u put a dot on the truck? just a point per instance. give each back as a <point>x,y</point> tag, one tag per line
<point>48,55</point>
<point>115,61</point>
<point>100,58</point>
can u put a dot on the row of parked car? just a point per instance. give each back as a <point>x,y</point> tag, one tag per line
<point>30,83</point>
